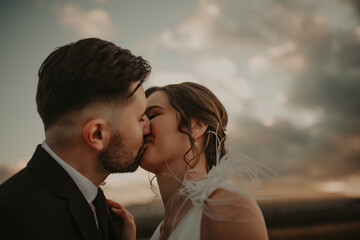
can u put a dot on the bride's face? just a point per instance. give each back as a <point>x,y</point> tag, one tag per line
<point>166,146</point>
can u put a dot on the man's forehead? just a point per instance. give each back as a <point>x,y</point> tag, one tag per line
<point>134,96</point>
<point>134,87</point>
<point>139,94</point>
<point>138,99</point>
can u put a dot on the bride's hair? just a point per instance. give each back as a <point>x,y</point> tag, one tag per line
<point>194,101</point>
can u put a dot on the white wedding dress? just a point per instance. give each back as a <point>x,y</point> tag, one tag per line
<point>187,229</point>
<point>233,173</point>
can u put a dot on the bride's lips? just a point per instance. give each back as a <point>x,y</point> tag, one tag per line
<point>147,140</point>
<point>145,146</point>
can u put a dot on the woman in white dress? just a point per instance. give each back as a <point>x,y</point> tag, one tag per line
<point>201,186</point>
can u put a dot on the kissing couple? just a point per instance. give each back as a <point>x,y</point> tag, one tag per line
<point>99,120</point>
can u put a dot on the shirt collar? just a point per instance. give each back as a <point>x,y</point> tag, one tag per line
<point>87,188</point>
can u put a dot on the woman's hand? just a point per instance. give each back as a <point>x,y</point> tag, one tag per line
<point>128,231</point>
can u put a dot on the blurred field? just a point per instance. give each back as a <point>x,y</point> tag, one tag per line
<point>293,219</point>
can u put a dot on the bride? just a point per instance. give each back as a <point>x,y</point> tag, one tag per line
<point>200,184</point>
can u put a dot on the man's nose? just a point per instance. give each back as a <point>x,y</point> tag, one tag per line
<point>146,129</point>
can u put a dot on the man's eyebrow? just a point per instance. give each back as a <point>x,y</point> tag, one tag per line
<point>148,109</point>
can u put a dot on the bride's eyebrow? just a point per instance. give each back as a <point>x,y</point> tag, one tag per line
<point>152,107</point>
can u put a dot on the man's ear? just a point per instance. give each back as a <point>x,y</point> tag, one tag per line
<point>97,134</point>
<point>198,128</point>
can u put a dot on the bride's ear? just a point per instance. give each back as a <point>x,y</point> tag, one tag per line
<point>198,128</point>
<point>96,134</point>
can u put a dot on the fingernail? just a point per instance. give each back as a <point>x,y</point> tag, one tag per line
<point>117,210</point>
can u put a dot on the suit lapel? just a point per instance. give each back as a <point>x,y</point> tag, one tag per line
<point>114,228</point>
<point>84,218</point>
<point>60,184</point>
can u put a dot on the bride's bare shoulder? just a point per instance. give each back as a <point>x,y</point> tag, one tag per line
<point>230,215</point>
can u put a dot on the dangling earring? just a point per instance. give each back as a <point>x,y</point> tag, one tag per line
<point>195,142</point>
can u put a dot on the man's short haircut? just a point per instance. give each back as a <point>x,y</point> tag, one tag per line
<point>86,72</point>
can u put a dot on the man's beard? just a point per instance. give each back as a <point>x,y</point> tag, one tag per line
<point>117,159</point>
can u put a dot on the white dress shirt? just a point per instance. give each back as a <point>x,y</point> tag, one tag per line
<point>87,188</point>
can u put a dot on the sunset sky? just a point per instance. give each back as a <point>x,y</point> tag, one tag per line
<point>287,71</point>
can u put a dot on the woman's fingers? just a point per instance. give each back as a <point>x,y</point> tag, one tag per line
<point>128,229</point>
<point>120,211</point>
<point>125,215</point>
<point>114,204</point>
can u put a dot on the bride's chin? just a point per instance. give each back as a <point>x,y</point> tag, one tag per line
<point>147,164</point>
<point>147,168</point>
<point>144,161</point>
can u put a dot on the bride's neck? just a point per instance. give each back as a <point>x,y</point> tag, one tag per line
<point>168,186</point>
<point>171,181</point>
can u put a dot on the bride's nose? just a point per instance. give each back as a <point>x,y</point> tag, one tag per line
<point>146,129</point>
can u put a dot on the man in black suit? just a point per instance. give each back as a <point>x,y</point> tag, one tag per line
<point>92,103</point>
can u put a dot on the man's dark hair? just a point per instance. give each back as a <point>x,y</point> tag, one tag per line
<point>86,72</point>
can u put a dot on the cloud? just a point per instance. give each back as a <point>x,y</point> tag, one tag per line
<point>220,25</point>
<point>93,23</point>
<point>161,78</point>
<point>331,85</point>
<point>326,95</point>
<point>219,74</point>
<point>332,82</point>
<point>280,145</point>
<point>231,89</point>
<point>216,67</point>
<point>100,1</point>
<point>320,135</point>
<point>194,32</point>
<point>284,56</point>
<point>356,5</point>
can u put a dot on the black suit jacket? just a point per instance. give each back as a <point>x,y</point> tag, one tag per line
<point>43,202</point>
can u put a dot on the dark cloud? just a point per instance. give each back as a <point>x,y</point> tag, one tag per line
<point>280,146</point>
<point>332,79</point>
<point>269,22</point>
<point>330,84</point>
<point>356,4</point>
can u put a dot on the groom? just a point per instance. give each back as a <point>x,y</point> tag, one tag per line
<point>92,103</point>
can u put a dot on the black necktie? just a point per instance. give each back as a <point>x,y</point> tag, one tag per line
<point>102,213</point>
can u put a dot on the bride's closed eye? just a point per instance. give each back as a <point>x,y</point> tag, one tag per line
<point>153,115</point>
<point>154,111</point>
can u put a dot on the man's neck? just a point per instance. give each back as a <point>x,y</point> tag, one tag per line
<point>83,162</point>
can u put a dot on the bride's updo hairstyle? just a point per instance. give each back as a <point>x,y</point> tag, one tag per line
<point>192,100</point>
